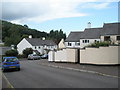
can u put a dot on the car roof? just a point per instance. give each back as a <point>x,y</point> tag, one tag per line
<point>8,57</point>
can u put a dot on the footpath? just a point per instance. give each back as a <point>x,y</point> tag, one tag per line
<point>111,71</point>
<point>4,83</point>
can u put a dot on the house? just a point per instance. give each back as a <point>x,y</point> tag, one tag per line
<point>109,32</point>
<point>61,44</point>
<point>73,40</point>
<point>90,36</point>
<point>38,45</point>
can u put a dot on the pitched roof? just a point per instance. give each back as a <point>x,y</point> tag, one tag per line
<point>38,42</point>
<point>91,33</point>
<point>111,29</point>
<point>74,37</point>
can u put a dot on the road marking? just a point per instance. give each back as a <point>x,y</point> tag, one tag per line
<point>80,70</point>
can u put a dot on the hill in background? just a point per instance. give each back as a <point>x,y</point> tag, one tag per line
<point>14,33</point>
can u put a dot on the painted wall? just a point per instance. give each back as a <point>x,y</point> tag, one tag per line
<point>103,55</point>
<point>82,45</point>
<point>66,55</point>
<point>51,56</point>
<point>23,45</point>
<point>73,45</point>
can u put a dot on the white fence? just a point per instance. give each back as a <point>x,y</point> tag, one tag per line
<point>65,55</point>
<point>103,55</point>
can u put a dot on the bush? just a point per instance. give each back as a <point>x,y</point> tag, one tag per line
<point>27,51</point>
<point>98,44</point>
<point>20,56</point>
<point>11,53</point>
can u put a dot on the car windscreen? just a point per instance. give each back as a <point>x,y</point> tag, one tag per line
<point>11,59</point>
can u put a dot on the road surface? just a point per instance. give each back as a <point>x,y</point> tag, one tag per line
<point>34,75</point>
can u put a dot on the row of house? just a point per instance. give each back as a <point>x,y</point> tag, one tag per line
<point>79,39</point>
<point>39,46</point>
<point>72,49</point>
<point>109,32</point>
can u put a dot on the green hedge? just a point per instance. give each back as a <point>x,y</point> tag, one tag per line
<point>98,44</point>
<point>11,53</point>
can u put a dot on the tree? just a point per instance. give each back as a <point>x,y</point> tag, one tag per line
<point>26,26</point>
<point>27,51</point>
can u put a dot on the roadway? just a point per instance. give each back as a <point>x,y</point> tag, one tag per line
<point>34,75</point>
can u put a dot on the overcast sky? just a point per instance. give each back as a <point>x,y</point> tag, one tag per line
<point>70,15</point>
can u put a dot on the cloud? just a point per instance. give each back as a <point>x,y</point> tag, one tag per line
<point>96,5</point>
<point>19,11</point>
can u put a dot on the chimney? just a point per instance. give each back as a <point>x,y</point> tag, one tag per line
<point>89,25</point>
<point>30,36</point>
<point>43,38</point>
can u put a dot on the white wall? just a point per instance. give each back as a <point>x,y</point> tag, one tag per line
<point>103,55</point>
<point>73,45</point>
<point>23,45</point>
<point>66,55</point>
<point>51,56</point>
<point>82,45</point>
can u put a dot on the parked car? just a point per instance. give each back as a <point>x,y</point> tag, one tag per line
<point>45,56</point>
<point>10,63</point>
<point>33,57</point>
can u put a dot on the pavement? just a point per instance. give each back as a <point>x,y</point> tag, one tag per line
<point>111,71</point>
<point>0,80</point>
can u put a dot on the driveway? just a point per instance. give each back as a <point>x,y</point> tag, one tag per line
<point>34,75</point>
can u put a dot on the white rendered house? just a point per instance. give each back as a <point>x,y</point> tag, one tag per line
<point>109,32</point>
<point>36,44</point>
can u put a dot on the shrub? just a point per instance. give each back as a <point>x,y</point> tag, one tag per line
<point>11,53</point>
<point>98,44</point>
<point>27,51</point>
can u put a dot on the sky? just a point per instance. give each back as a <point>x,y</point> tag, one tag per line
<point>68,15</point>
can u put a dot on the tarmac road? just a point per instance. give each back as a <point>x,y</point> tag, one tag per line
<point>34,75</point>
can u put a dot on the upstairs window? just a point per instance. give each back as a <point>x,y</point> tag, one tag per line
<point>35,47</point>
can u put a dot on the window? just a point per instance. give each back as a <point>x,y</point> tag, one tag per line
<point>39,47</point>
<point>69,44</point>
<point>35,47</point>
<point>77,43</point>
<point>83,41</point>
<point>107,38</point>
<point>118,37</point>
<point>95,41</point>
<point>88,41</point>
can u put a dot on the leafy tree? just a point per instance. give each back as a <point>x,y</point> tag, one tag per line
<point>27,51</point>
